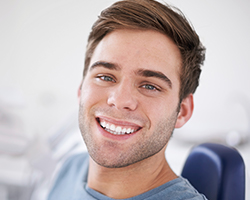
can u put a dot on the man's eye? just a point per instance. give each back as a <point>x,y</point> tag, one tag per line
<point>149,87</point>
<point>106,78</point>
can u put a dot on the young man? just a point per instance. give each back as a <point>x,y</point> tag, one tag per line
<point>142,67</point>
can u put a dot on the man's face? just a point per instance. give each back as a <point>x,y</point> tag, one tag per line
<point>130,96</point>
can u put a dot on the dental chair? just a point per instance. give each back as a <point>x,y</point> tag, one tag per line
<point>217,171</point>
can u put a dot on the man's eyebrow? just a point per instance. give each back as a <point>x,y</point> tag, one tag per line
<point>105,65</point>
<point>156,74</point>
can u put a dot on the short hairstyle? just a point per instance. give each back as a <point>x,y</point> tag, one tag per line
<point>152,15</point>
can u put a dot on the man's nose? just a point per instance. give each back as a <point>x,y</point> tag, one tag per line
<point>123,96</point>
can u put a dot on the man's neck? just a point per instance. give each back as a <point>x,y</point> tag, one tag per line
<point>126,182</point>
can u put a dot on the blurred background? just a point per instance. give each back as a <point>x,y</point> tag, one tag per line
<point>42,46</point>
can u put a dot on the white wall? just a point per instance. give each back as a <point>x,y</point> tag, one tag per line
<point>42,52</point>
<point>222,102</point>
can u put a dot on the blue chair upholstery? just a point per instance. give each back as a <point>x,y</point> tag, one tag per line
<point>217,171</point>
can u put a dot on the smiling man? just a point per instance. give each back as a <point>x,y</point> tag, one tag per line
<point>142,67</point>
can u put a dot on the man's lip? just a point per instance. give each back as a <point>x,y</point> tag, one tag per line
<point>118,122</point>
<point>112,136</point>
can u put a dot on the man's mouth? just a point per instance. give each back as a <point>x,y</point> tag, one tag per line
<point>117,129</point>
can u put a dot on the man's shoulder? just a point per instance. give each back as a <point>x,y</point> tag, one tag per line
<point>71,176</point>
<point>179,188</point>
<point>75,162</point>
<point>74,166</point>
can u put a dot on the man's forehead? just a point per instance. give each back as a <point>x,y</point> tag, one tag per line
<point>144,49</point>
<point>136,42</point>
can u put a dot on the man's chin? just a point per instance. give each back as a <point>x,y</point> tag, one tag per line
<point>117,160</point>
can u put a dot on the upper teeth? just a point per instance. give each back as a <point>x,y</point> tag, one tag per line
<point>116,130</point>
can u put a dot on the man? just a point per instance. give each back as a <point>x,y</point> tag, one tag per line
<point>142,67</point>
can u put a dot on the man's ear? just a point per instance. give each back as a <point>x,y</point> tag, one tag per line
<point>79,92</point>
<point>186,111</point>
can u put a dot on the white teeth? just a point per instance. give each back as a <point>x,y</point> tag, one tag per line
<point>116,130</point>
<point>103,124</point>
<point>124,130</point>
<point>112,127</point>
<point>107,126</point>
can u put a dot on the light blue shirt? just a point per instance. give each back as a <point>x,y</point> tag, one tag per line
<point>71,184</point>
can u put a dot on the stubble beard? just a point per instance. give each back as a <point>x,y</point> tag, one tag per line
<point>108,153</point>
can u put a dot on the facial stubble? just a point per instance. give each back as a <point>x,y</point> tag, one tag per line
<point>110,154</point>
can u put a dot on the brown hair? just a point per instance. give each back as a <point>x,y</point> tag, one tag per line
<point>150,14</point>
